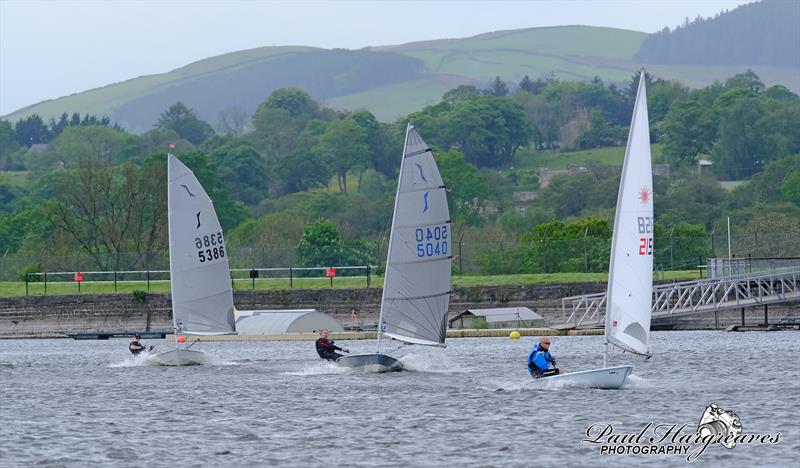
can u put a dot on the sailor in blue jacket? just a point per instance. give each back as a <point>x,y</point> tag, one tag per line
<point>539,360</point>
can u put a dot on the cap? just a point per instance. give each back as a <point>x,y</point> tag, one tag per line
<point>137,336</point>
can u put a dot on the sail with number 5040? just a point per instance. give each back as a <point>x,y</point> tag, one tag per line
<point>416,287</point>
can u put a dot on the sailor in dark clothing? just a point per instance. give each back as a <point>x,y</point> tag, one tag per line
<point>326,347</point>
<point>540,360</point>
<point>136,347</point>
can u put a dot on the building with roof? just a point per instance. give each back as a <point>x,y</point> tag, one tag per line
<point>274,322</point>
<point>504,317</point>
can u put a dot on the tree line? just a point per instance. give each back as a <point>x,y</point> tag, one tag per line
<point>301,184</point>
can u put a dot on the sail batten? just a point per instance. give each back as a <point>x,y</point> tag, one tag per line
<point>630,284</point>
<point>417,281</point>
<point>202,296</point>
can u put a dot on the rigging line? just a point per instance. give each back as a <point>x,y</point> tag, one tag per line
<point>424,260</point>
<point>426,189</point>
<point>427,296</point>
<point>414,153</point>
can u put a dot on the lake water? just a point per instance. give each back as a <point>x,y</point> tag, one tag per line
<point>88,403</point>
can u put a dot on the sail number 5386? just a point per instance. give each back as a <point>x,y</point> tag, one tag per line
<point>431,241</point>
<point>210,247</point>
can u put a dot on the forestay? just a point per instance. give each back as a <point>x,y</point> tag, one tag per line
<point>202,298</point>
<point>416,287</point>
<point>630,278</point>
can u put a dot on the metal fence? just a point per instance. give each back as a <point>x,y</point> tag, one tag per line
<point>241,278</point>
<point>474,254</point>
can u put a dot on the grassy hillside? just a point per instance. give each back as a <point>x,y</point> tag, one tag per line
<point>386,85</point>
<point>613,156</point>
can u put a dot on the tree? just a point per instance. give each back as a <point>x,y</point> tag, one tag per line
<point>109,211</point>
<point>233,121</point>
<point>302,170</point>
<point>185,123</point>
<point>461,92</point>
<point>320,245</point>
<point>466,189</point>
<point>295,101</point>
<point>488,130</point>
<point>532,87</point>
<point>95,142</point>
<point>498,88</point>
<point>272,239</point>
<point>243,170</point>
<point>345,145</point>
<point>31,130</point>
<point>690,129</point>
<point>791,187</point>
<point>747,80</point>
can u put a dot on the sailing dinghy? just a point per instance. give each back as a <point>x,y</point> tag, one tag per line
<point>202,296</point>
<point>630,275</point>
<point>416,287</point>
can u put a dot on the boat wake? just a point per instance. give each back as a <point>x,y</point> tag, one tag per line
<point>147,359</point>
<point>634,381</point>
<point>435,362</point>
<point>320,368</point>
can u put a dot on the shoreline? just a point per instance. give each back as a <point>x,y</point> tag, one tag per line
<point>346,335</point>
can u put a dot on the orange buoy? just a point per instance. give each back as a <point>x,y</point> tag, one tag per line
<point>181,339</point>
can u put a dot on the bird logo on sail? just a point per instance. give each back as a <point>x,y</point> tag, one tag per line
<point>425,199</point>
<point>421,174</point>
<point>187,190</point>
<point>198,220</point>
<point>644,196</point>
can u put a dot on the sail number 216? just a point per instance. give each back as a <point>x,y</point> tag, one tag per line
<point>431,241</point>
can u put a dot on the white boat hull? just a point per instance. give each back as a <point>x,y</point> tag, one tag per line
<point>179,357</point>
<point>606,378</point>
<point>370,363</point>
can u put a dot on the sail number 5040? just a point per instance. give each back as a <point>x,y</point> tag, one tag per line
<point>431,241</point>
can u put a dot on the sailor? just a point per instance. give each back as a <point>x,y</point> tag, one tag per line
<point>540,360</point>
<point>326,347</point>
<point>136,347</point>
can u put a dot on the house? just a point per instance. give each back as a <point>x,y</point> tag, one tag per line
<point>504,317</point>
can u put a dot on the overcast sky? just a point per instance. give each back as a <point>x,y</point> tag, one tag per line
<point>51,48</point>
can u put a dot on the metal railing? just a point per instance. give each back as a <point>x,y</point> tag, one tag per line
<point>238,276</point>
<point>693,297</point>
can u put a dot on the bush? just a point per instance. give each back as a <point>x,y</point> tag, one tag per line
<point>139,296</point>
<point>480,323</point>
<point>32,268</point>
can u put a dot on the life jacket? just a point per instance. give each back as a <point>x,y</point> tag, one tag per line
<point>532,367</point>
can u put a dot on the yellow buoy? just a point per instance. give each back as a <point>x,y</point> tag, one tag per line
<point>514,335</point>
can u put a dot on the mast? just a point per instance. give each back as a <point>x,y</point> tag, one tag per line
<point>391,234</point>
<point>169,232</point>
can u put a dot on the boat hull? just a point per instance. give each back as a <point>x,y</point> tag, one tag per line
<point>606,378</point>
<point>179,357</point>
<point>370,363</point>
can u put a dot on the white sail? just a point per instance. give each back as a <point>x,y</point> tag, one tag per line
<point>202,297</point>
<point>416,288</point>
<point>630,276</point>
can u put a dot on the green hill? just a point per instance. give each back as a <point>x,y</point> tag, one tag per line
<point>389,81</point>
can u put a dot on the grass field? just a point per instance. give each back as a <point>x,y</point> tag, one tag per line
<point>612,156</point>
<point>14,289</point>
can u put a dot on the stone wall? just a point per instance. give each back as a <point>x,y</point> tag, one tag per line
<point>60,315</point>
